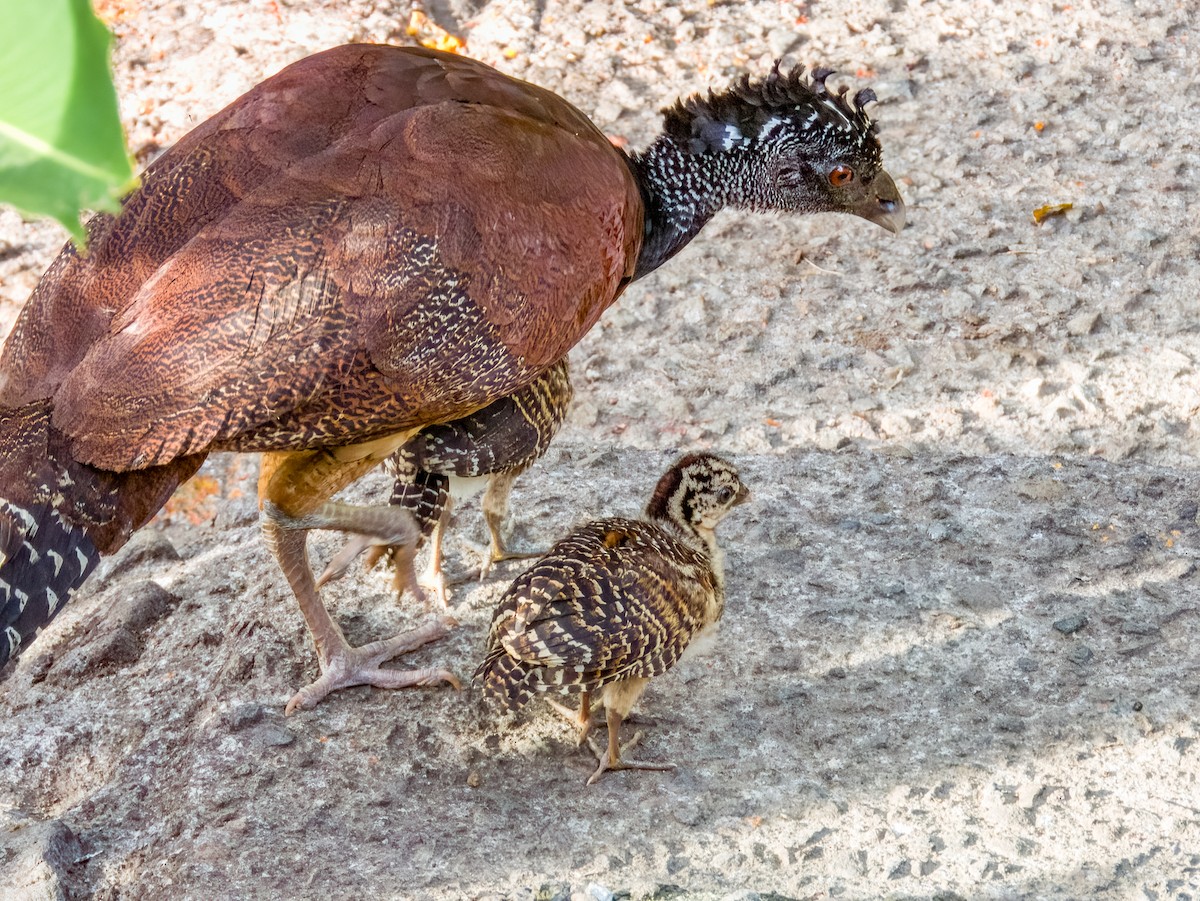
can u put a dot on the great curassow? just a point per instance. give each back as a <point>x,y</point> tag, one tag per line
<point>375,240</point>
<point>617,602</point>
<point>448,462</point>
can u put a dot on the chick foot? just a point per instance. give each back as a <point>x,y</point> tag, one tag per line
<point>612,758</point>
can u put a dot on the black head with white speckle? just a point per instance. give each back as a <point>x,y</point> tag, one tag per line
<point>815,149</point>
<point>785,143</point>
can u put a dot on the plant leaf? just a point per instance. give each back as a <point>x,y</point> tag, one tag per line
<point>62,148</point>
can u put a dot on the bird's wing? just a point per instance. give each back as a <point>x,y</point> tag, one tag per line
<point>604,603</point>
<point>508,434</point>
<point>395,239</point>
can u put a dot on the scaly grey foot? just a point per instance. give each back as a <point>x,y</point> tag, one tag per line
<point>343,666</point>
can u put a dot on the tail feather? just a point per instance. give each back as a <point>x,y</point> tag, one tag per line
<point>57,516</point>
<point>43,559</point>
<point>512,684</point>
<point>505,680</point>
<point>423,494</point>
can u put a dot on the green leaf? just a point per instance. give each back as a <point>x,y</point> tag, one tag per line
<point>62,148</point>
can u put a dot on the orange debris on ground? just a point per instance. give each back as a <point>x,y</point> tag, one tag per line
<point>113,12</point>
<point>1051,209</point>
<point>429,34</point>
<point>196,500</point>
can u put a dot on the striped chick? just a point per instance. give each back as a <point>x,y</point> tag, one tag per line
<point>615,603</point>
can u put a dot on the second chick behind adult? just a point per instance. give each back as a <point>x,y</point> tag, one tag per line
<point>616,602</point>
<point>448,462</point>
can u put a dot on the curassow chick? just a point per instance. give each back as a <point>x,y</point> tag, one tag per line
<point>616,602</point>
<point>371,242</point>
<point>445,464</point>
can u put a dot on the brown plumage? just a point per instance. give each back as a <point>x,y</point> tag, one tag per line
<point>448,462</point>
<point>375,240</point>
<point>616,602</point>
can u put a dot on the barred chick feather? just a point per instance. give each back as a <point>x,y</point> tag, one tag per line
<point>618,598</point>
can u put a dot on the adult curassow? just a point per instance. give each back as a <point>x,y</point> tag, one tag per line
<point>374,240</point>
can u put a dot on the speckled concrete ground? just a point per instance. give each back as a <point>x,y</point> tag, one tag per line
<point>959,659</point>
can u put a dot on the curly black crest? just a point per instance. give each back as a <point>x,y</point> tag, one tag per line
<point>703,122</point>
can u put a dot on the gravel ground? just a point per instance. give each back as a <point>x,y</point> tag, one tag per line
<point>959,658</point>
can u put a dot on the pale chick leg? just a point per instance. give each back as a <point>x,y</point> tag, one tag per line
<point>619,699</point>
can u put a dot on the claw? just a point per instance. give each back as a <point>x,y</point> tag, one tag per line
<point>609,762</point>
<point>344,666</point>
<point>340,562</point>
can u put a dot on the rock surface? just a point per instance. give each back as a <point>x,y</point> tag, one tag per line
<point>960,658</point>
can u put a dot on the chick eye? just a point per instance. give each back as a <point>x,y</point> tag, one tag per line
<point>839,176</point>
<point>724,495</point>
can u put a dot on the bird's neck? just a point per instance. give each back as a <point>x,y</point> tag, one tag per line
<point>703,541</point>
<point>682,191</point>
<point>716,557</point>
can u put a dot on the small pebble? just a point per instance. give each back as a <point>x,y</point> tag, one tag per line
<point>111,649</point>
<point>1083,324</point>
<point>243,715</point>
<point>553,892</point>
<point>940,531</point>
<point>1139,628</point>
<point>275,736</point>
<point>141,605</point>
<point>1069,625</point>
<point>902,869</point>
<point>687,812</point>
<point>144,547</point>
<point>1080,654</point>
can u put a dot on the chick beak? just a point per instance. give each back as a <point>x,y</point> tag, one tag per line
<point>883,204</point>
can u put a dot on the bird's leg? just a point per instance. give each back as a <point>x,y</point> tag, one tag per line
<point>581,719</point>
<point>495,507</point>
<point>434,578</point>
<point>433,515</point>
<point>294,494</point>
<point>619,698</point>
<point>612,758</point>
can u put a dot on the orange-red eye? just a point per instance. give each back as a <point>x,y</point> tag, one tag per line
<point>840,176</point>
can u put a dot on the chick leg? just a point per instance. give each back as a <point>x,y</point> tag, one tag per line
<point>400,558</point>
<point>495,507</point>
<point>426,496</point>
<point>612,759</point>
<point>581,719</point>
<point>619,698</point>
<point>295,488</point>
<point>434,578</point>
